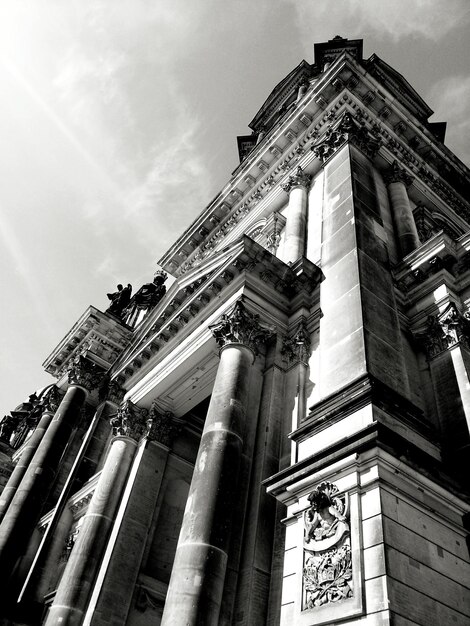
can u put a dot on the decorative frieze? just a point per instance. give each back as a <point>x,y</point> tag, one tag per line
<point>241,326</point>
<point>327,573</point>
<point>130,421</point>
<point>298,179</point>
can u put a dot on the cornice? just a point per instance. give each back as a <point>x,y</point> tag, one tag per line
<point>284,148</point>
<point>95,335</point>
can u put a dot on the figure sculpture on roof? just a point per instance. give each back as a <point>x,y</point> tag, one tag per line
<point>119,300</point>
<point>151,293</point>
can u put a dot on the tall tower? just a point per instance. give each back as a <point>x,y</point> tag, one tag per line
<point>282,436</point>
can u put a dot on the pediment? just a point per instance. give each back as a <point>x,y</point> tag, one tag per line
<point>399,86</point>
<point>280,93</point>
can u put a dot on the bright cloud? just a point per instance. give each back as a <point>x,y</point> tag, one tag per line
<point>430,19</point>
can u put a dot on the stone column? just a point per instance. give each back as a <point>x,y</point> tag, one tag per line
<point>50,405</point>
<point>397,181</point>
<point>73,592</point>
<point>28,500</point>
<point>111,601</point>
<point>197,579</point>
<point>296,224</point>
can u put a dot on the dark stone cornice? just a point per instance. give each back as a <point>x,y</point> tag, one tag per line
<point>375,435</point>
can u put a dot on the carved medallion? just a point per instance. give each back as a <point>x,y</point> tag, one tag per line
<point>327,573</point>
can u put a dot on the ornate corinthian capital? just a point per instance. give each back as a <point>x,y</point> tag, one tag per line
<point>130,421</point>
<point>297,348</point>
<point>298,179</point>
<point>397,174</point>
<point>444,331</point>
<point>83,372</point>
<point>241,326</point>
<point>162,426</point>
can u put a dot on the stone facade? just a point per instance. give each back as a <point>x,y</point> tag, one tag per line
<point>281,436</point>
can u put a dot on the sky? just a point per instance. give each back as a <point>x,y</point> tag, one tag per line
<point>118,125</point>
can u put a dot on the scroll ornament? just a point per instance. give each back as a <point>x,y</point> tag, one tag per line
<point>327,573</point>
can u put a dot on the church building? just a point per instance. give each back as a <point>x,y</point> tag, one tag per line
<point>280,436</point>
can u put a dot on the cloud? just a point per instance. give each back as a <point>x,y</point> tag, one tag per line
<point>430,19</point>
<point>449,98</point>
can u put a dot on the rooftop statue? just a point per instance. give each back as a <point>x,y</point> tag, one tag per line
<point>119,300</point>
<point>151,293</point>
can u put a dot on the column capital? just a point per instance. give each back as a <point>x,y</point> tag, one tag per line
<point>162,426</point>
<point>298,179</point>
<point>84,373</point>
<point>397,174</point>
<point>242,327</point>
<point>346,128</point>
<point>111,391</point>
<point>444,331</point>
<point>130,421</point>
<point>296,348</point>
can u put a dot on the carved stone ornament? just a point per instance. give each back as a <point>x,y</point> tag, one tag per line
<point>162,426</point>
<point>346,128</point>
<point>241,326</point>
<point>396,174</point>
<point>51,399</point>
<point>111,391</point>
<point>297,347</point>
<point>83,372</point>
<point>327,573</point>
<point>444,331</point>
<point>130,421</point>
<point>298,179</point>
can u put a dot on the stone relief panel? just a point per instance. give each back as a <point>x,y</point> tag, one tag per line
<point>327,571</point>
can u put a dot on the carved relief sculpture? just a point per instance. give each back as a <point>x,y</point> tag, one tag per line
<point>327,573</point>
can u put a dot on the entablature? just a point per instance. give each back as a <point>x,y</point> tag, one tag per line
<point>192,298</point>
<point>96,335</point>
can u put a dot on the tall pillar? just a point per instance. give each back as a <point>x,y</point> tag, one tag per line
<point>110,601</point>
<point>73,592</point>
<point>296,219</point>
<point>50,405</point>
<point>397,181</point>
<point>25,507</point>
<point>197,579</point>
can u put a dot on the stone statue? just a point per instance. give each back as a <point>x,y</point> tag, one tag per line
<point>151,293</point>
<point>7,427</point>
<point>119,300</point>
